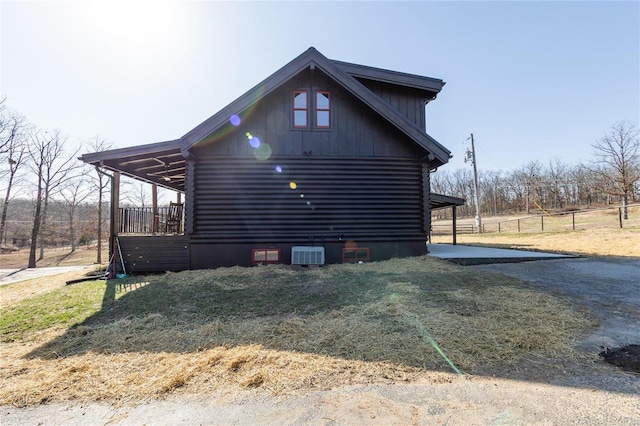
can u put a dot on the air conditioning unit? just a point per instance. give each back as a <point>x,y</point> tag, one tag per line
<point>307,255</point>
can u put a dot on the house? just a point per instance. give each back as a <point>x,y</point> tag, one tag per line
<point>322,162</point>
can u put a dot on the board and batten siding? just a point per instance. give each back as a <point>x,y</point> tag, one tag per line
<point>356,130</point>
<point>408,102</point>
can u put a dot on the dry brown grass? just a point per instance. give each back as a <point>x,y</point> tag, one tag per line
<point>287,330</point>
<point>61,256</point>
<point>597,242</point>
<point>597,233</point>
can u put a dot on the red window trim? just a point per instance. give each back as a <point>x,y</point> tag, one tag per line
<point>305,109</point>
<point>360,254</point>
<point>265,253</point>
<point>328,110</point>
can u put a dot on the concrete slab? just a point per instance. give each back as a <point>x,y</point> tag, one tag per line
<point>472,255</point>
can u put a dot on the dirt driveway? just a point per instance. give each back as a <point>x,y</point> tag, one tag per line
<point>537,392</point>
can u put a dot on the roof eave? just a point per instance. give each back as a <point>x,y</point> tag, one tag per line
<point>392,77</point>
<point>97,157</point>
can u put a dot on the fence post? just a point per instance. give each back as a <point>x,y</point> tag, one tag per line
<point>518,225</point>
<point>573,221</point>
<point>542,222</point>
<point>498,227</point>
<point>620,216</point>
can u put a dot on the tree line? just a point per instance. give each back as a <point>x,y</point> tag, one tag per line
<point>45,188</point>
<point>611,177</point>
<point>49,197</point>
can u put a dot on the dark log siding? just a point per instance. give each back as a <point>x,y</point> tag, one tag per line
<point>246,200</point>
<point>242,204</point>
<point>426,207</point>
<point>189,197</point>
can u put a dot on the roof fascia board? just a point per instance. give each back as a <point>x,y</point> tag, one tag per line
<point>392,77</point>
<point>119,153</point>
<point>447,199</point>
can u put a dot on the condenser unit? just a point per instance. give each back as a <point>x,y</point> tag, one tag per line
<point>307,255</point>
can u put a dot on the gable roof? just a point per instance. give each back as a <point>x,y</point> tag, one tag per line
<point>163,163</point>
<point>427,84</point>
<point>312,59</point>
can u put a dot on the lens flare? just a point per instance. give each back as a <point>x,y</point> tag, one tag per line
<point>235,120</point>
<point>350,244</point>
<point>254,141</point>
<point>293,185</point>
<point>278,169</point>
<point>263,151</point>
<point>301,195</point>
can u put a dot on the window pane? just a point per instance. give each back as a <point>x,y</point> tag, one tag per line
<point>300,100</point>
<point>322,100</point>
<point>323,119</point>
<point>300,118</point>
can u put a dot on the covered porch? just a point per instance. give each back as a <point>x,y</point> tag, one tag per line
<point>149,238</point>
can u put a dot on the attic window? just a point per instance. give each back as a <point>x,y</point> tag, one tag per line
<point>300,109</point>
<point>323,110</point>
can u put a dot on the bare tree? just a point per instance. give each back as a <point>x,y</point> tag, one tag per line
<point>136,193</point>
<point>11,125</point>
<point>14,149</point>
<point>101,184</point>
<point>556,174</point>
<point>74,192</point>
<point>618,160</point>
<point>52,168</point>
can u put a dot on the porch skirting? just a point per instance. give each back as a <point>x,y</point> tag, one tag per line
<point>148,253</point>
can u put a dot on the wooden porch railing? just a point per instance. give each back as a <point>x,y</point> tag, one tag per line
<point>141,220</point>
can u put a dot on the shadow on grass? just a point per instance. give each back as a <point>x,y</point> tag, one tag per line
<point>484,324</point>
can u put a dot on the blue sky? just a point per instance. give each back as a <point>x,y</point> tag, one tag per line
<point>531,80</point>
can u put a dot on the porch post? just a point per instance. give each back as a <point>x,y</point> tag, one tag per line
<point>154,204</point>
<point>454,225</point>
<point>115,211</point>
<point>179,198</point>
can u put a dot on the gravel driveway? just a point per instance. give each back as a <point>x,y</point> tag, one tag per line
<point>609,288</point>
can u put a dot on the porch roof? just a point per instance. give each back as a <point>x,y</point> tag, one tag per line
<point>161,163</point>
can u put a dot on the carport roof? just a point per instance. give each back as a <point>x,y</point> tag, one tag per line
<point>439,201</point>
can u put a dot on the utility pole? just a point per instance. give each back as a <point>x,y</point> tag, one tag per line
<point>472,155</point>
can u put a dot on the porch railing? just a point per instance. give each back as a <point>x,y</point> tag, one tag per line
<point>141,220</point>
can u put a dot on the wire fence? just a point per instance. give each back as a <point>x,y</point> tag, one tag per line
<point>609,217</point>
